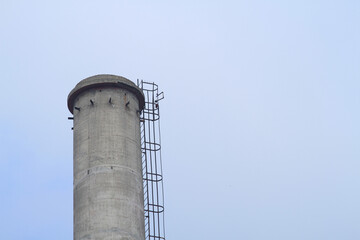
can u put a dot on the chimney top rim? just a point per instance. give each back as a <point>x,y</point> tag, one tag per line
<point>104,80</point>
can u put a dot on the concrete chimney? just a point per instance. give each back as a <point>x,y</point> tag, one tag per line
<point>108,186</point>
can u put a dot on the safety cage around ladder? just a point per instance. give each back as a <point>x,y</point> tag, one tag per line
<point>151,162</point>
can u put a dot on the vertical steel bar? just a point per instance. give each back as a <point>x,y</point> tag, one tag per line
<point>155,155</point>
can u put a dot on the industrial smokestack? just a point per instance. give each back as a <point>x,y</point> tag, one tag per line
<point>108,183</point>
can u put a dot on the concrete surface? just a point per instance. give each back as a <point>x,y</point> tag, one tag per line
<point>108,189</point>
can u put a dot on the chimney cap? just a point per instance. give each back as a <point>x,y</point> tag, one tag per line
<point>105,80</point>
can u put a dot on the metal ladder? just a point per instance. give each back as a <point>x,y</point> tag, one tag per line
<point>151,162</point>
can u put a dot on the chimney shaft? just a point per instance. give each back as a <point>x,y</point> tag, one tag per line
<point>108,186</point>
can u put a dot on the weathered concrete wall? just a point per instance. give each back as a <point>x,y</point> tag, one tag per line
<point>108,193</point>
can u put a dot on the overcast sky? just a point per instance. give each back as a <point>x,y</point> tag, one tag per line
<point>260,121</point>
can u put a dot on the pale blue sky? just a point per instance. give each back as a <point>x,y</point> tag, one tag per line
<point>260,121</point>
